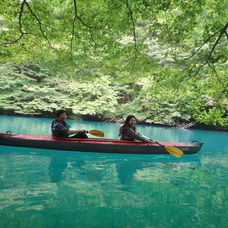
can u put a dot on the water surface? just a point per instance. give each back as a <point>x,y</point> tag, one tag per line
<point>51,188</point>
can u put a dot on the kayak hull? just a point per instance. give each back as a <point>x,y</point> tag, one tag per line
<point>94,144</point>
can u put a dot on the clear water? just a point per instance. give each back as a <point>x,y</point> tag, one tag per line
<point>50,188</point>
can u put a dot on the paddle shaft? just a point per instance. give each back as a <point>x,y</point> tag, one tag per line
<point>159,144</point>
<point>171,149</point>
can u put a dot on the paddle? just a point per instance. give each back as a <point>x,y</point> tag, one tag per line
<point>96,133</point>
<point>170,149</point>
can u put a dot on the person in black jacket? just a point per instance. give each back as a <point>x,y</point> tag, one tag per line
<point>60,128</point>
<point>128,131</point>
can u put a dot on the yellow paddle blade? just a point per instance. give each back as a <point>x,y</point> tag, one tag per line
<point>97,133</point>
<point>174,151</point>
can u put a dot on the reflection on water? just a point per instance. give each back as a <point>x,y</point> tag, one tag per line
<point>57,167</point>
<point>60,184</point>
<point>126,169</point>
<point>89,166</point>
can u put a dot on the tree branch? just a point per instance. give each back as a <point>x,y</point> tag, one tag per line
<point>222,31</point>
<point>76,17</point>
<point>220,81</point>
<point>190,73</point>
<point>20,25</point>
<point>205,41</point>
<point>39,22</point>
<point>133,23</point>
<point>136,51</point>
<point>23,3</point>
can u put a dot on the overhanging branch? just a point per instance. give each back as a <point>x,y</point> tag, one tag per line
<point>20,25</point>
<point>222,32</point>
<point>193,71</point>
<point>77,17</point>
<point>39,23</point>
<point>23,3</point>
<point>133,23</point>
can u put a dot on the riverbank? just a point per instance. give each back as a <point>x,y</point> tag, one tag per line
<point>176,123</point>
<point>31,91</point>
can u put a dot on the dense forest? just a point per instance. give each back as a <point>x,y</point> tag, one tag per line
<point>163,61</point>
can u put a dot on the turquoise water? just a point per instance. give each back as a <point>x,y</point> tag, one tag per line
<point>50,188</point>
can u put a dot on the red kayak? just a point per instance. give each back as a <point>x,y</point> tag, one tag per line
<point>95,144</point>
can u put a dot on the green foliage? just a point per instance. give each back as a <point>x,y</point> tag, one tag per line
<point>169,57</point>
<point>214,116</point>
<point>96,98</point>
<point>151,101</point>
<point>25,95</point>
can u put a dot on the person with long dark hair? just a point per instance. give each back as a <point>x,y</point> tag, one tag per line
<point>128,131</point>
